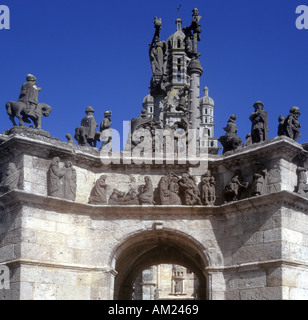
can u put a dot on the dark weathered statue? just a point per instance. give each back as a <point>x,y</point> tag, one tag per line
<point>169,190</point>
<point>183,97</point>
<point>27,107</point>
<point>290,125</point>
<point>248,141</point>
<point>230,141</point>
<point>208,185</point>
<point>70,139</point>
<point>143,128</point>
<point>146,192</point>
<point>235,187</point>
<point>158,59</point>
<point>259,183</point>
<point>192,35</point>
<point>98,193</point>
<point>105,130</point>
<point>189,191</point>
<point>86,133</point>
<point>259,120</point>
<point>10,179</point>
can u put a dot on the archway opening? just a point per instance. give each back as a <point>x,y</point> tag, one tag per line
<point>152,248</point>
<point>166,282</point>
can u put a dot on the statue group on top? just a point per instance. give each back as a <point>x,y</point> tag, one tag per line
<point>86,133</point>
<point>288,126</point>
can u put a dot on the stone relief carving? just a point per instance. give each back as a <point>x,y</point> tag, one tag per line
<point>27,108</point>
<point>189,191</point>
<point>120,198</point>
<point>98,193</point>
<point>235,187</point>
<point>169,190</point>
<point>146,192</point>
<point>62,180</point>
<point>10,179</point>
<point>208,185</point>
<point>259,183</point>
<point>273,179</point>
<point>302,186</point>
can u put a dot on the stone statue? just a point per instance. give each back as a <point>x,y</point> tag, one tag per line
<point>69,182</point>
<point>290,125</point>
<point>55,175</point>
<point>235,187</point>
<point>143,128</point>
<point>248,141</point>
<point>259,120</point>
<point>105,130</point>
<point>183,96</point>
<point>302,186</point>
<point>189,190</point>
<point>62,181</point>
<point>208,185</point>
<point>146,192</point>
<point>192,35</point>
<point>158,59</point>
<point>86,132</point>
<point>169,190</point>
<point>230,141</point>
<point>11,179</point>
<point>98,193</point>
<point>27,107</point>
<point>259,183</point>
<point>70,139</point>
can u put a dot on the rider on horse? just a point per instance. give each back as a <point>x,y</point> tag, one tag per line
<point>29,93</point>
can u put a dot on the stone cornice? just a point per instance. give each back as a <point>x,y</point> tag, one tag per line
<point>282,147</point>
<point>258,264</point>
<point>52,265</point>
<point>255,204</point>
<point>47,148</point>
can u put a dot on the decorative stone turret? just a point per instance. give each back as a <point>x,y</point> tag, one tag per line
<point>207,125</point>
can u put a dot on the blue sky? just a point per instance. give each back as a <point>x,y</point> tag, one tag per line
<point>96,53</point>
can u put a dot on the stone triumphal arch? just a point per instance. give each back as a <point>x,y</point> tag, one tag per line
<point>79,221</point>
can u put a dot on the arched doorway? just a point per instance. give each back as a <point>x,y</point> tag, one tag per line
<point>148,248</point>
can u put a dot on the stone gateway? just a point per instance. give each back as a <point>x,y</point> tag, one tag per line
<point>232,226</point>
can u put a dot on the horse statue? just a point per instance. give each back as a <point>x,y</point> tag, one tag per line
<point>23,113</point>
<point>83,139</point>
